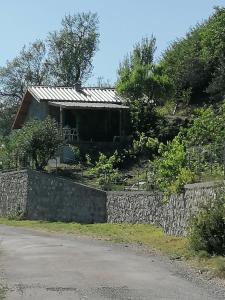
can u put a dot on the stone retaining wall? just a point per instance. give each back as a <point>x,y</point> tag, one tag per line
<point>39,196</point>
<point>148,207</point>
<point>58,199</point>
<point>13,193</point>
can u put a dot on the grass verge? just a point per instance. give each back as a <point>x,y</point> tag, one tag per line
<point>143,234</point>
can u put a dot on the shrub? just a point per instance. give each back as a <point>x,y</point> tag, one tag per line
<point>105,171</point>
<point>207,229</point>
<point>5,160</point>
<point>37,141</point>
<point>171,171</point>
<point>185,176</point>
<point>145,145</point>
<point>76,153</point>
<point>194,153</point>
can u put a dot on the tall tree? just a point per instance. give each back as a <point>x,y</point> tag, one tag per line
<point>139,76</point>
<point>30,67</point>
<point>73,47</point>
<point>196,63</point>
<point>142,83</point>
<point>66,59</point>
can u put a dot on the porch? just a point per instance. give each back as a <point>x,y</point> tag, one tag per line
<point>79,125</point>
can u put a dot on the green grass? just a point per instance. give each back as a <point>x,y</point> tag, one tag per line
<point>147,235</point>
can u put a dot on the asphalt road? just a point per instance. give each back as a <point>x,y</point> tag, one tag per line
<point>39,266</point>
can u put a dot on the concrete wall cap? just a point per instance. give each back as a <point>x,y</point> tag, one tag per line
<point>203,185</point>
<point>4,173</point>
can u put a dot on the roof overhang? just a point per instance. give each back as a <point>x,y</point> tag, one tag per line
<point>86,105</point>
<point>69,98</point>
<point>22,110</point>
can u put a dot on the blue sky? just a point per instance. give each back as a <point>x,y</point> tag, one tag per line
<point>122,24</point>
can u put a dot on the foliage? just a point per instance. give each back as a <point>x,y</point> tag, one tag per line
<point>208,127</point>
<point>37,141</point>
<point>219,266</point>
<point>30,67</point>
<point>73,47</point>
<point>105,170</point>
<point>7,115</point>
<point>182,64</point>
<point>207,228</point>
<point>145,145</point>
<point>65,59</point>
<point>76,153</point>
<point>166,128</point>
<point>142,83</point>
<point>194,152</point>
<point>171,170</point>
<point>196,62</point>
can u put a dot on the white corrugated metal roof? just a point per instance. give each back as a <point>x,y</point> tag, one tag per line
<point>99,105</point>
<point>95,95</point>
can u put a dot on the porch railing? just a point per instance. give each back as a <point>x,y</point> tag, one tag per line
<point>70,134</point>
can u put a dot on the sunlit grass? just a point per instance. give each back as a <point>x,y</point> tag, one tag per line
<point>145,234</point>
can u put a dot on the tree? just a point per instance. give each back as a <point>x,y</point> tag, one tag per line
<point>142,83</point>
<point>37,141</point>
<point>7,113</point>
<point>30,67</point>
<point>136,69</point>
<point>182,63</point>
<point>196,63</point>
<point>73,47</point>
<point>65,60</point>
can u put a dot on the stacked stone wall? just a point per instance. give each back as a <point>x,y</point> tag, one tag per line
<point>58,199</point>
<point>40,196</point>
<point>13,193</point>
<point>150,207</point>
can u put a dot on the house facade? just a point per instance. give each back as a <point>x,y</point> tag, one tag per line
<point>84,115</point>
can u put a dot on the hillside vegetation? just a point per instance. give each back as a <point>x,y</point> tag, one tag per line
<point>177,124</point>
<point>176,105</point>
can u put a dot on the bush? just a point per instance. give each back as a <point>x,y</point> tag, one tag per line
<point>36,142</point>
<point>76,153</point>
<point>105,170</point>
<point>207,229</point>
<point>145,145</point>
<point>171,171</point>
<point>195,153</point>
<point>5,160</point>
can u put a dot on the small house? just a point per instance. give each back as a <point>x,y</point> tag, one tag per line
<point>83,114</point>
